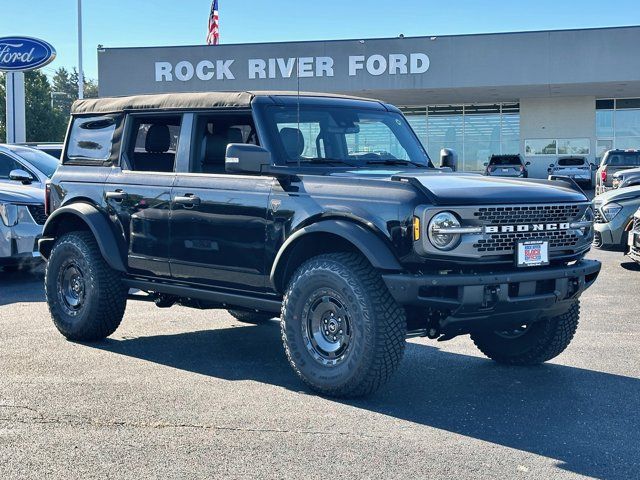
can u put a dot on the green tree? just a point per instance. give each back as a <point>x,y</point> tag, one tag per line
<point>65,89</point>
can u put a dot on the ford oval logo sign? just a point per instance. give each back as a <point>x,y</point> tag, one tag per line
<point>19,54</point>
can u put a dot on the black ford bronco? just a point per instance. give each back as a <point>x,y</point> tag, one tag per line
<point>325,210</point>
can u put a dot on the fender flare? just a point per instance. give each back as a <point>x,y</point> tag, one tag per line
<point>364,239</point>
<point>97,223</point>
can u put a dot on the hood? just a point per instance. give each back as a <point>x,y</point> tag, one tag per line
<point>472,189</point>
<point>618,195</point>
<point>21,194</point>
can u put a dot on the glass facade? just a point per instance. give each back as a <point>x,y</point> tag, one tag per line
<point>475,132</point>
<point>617,124</point>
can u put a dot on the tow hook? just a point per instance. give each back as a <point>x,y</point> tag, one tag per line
<point>491,293</point>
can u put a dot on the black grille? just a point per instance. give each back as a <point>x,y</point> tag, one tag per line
<point>636,224</point>
<point>599,218</point>
<point>528,214</point>
<point>37,212</point>
<point>505,242</point>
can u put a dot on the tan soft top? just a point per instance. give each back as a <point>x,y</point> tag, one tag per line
<point>177,101</point>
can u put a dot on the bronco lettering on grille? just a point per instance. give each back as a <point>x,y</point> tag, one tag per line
<point>534,227</point>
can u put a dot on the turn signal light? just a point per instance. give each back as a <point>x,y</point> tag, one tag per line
<point>47,199</point>
<point>416,228</point>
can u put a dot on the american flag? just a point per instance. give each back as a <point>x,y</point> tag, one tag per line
<point>213,37</point>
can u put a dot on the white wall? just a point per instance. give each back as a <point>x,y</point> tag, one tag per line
<point>556,117</point>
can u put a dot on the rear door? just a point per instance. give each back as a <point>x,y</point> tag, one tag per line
<point>218,220</point>
<point>138,192</point>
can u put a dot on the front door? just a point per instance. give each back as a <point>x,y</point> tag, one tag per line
<point>218,221</point>
<point>138,193</point>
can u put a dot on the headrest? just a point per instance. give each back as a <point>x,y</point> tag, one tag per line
<point>293,141</point>
<point>215,148</point>
<point>234,135</point>
<point>158,139</point>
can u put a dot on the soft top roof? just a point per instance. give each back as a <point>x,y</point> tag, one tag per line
<point>198,100</point>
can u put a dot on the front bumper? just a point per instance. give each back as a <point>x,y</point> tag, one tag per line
<point>612,234</point>
<point>19,243</point>
<point>491,300</point>
<point>634,246</point>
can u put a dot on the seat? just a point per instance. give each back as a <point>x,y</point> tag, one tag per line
<point>293,142</point>
<point>215,149</point>
<point>155,158</point>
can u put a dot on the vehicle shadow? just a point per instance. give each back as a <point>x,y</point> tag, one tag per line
<point>632,266</point>
<point>22,286</point>
<point>587,420</point>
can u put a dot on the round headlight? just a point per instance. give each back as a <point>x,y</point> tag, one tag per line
<point>438,236</point>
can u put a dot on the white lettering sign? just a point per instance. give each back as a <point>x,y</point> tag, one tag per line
<point>303,67</point>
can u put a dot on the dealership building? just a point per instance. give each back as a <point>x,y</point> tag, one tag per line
<point>542,94</point>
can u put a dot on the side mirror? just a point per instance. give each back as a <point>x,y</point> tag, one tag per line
<point>529,163</point>
<point>551,165</point>
<point>20,175</point>
<point>486,164</point>
<point>246,158</point>
<point>448,159</point>
<point>594,166</point>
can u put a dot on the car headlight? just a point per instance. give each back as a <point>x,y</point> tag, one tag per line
<point>9,214</point>
<point>437,231</point>
<point>610,210</point>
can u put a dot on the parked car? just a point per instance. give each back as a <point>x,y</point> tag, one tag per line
<point>506,166</point>
<point>614,216</point>
<point>626,178</point>
<point>634,238</point>
<point>52,148</point>
<point>270,205</point>
<point>21,219</point>
<point>578,168</point>
<point>614,161</point>
<point>25,165</point>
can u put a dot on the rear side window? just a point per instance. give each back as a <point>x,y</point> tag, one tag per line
<point>91,138</point>
<point>505,161</point>
<point>153,142</point>
<point>571,162</point>
<point>623,159</point>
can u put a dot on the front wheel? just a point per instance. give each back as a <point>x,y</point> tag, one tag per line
<point>343,333</point>
<point>530,344</point>
<point>86,297</point>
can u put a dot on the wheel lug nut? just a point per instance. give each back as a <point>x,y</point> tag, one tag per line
<point>340,332</point>
<point>335,338</point>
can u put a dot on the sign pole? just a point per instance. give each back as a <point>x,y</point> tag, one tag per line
<point>16,124</point>
<point>80,72</point>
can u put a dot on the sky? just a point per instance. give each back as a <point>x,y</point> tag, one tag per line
<point>133,23</point>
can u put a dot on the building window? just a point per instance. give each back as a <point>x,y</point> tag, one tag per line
<point>557,146</point>
<point>475,132</point>
<point>617,124</point>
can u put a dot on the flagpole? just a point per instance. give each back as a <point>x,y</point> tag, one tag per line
<point>80,72</point>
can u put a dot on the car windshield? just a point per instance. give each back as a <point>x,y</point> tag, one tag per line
<point>345,137</point>
<point>571,162</point>
<point>512,160</point>
<point>41,161</point>
<point>623,159</point>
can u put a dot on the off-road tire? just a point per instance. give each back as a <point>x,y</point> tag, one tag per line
<point>254,318</point>
<point>105,296</point>
<point>378,325</point>
<point>543,340</point>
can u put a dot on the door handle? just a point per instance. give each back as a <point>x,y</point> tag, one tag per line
<point>189,200</point>
<point>118,195</point>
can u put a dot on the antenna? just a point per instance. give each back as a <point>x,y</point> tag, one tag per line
<point>298,105</point>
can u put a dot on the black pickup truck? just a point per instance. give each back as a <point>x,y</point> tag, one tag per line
<point>324,210</point>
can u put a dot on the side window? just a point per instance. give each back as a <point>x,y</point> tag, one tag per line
<point>91,138</point>
<point>6,165</point>
<point>153,142</point>
<point>212,134</point>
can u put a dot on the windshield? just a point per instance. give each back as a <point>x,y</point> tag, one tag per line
<point>41,161</point>
<point>339,136</point>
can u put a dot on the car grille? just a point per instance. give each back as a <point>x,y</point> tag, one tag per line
<point>636,224</point>
<point>527,214</point>
<point>37,212</point>
<point>505,242</point>
<point>599,218</point>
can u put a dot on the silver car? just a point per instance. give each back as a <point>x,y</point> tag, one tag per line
<point>614,217</point>
<point>578,168</point>
<point>634,238</point>
<point>626,178</point>
<point>23,173</point>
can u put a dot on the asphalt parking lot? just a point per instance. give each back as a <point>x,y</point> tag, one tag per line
<point>194,394</point>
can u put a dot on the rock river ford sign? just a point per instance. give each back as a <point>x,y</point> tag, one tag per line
<point>20,54</point>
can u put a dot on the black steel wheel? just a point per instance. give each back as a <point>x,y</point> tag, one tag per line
<point>343,333</point>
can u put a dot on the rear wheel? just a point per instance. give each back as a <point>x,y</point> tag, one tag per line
<point>86,297</point>
<point>343,333</point>
<point>251,317</point>
<point>530,344</point>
